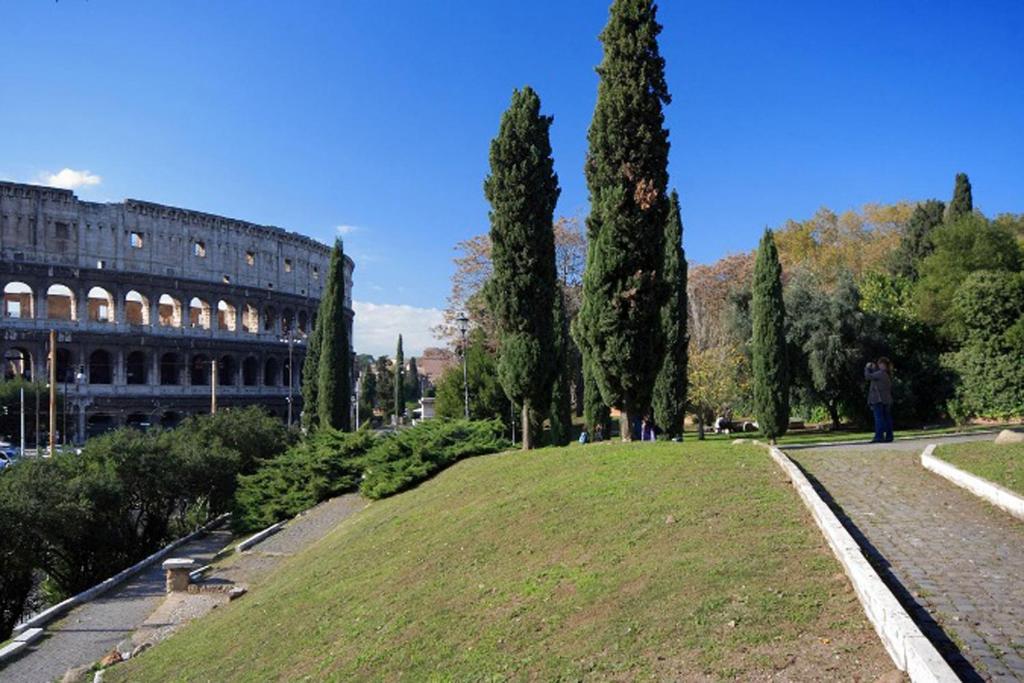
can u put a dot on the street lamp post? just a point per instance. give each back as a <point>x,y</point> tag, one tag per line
<point>79,417</point>
<point>290,340</point>
<point>463,322</point>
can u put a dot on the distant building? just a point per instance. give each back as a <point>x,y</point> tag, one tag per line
<point>434,362</point>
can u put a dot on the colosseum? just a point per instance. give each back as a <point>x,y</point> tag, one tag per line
<point>156,309</point>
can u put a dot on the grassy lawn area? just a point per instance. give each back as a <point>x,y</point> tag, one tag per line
<point>1002,464</point>
<point>611,561</point>
<point>813,436</point>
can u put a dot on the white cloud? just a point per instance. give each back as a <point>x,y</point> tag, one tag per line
<point>70,179</point>
<point>377,327</point>
<point>348,229</point>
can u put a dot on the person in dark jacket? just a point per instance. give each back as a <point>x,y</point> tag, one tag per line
<point>880,398</point>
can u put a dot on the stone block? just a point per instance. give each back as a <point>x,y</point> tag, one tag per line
<point>1008,436</point>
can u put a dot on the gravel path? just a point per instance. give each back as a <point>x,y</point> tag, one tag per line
<point>956,562</point>
<point>88,632</point>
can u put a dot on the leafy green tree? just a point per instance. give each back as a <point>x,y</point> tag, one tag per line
<point>916,243</point>
<point>962,203</point>
<point>16,566</point>
<point>561,400</point>
<point>522,190</point>
<point>670,388</point>
<point>768,343</point>
<point>627,175</point>
<point>334,391</point>
<point>385,385</point>
<point>368,393</point>
<point>399,381</point>
<point>412,382</point>
<point>487,400</point>
<point>311,376</point>
<point>969,243</point>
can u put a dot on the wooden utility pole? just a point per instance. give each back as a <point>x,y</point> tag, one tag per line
<point>53,391</point>
<point>213,386</point>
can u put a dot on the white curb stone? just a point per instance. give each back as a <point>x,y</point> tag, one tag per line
<point>259,536</point>
<point>909,649</point>
<point>29,636</point>
<point>993,493</point>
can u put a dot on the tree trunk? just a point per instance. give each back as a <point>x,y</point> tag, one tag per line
<point>833,412</point>
<point>626,426</point>
<point>527,433</point>
<point>700,428</point>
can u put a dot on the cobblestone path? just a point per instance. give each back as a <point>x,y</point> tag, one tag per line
<point>956,562</point>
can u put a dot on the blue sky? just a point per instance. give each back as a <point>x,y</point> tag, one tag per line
<point>378,116</point>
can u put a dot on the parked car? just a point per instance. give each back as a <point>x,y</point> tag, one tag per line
<point>8,454</point>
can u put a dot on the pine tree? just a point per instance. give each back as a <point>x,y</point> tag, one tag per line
<point>768,344</point>
<point>595,412</point>
<point>522,189</point>
<point>916,242</point>
<point>399,381</point>
<point>310,376</point>
<point>385,385</point>
<point>671,386</point>
<point>412,382</point>
<point>627,175</point>
<point>334,389</point>
<point>561,401</point>
<point>368,393</point>
<point>963,202</point>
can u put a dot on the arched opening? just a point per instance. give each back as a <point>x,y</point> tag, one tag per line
<point>60,303</point>
<point>303,322</point>
<point>250,319</point>
<point>169,311</point>
<point>250,372</point>
<point>100,305</point>
<point>98,424</point>
<point>269,318</point>
<point>65,365</point>
<point>100,368</point>
<point>227,316</point>
<point>270,373</point>
<point>170,419</point>
<point>287,319</point>
<point>199,313</point>
<point>227,371</point>
<point>286,373</point>
<point>138,421</point>
<point>17,363</point>
<point>136,308</point>
<point>135,366</point>
<point>170,369</point>
<point>199,371</point>
<point>18,300</point>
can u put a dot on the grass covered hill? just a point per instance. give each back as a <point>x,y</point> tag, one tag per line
<point>609,561</point>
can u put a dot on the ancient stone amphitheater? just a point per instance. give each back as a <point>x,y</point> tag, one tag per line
<point>155,308</point>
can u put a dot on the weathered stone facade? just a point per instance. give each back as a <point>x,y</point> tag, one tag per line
<point>144,296</point>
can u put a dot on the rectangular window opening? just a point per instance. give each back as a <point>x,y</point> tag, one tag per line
<point>250,258</point>
<point>136,240</point>
<point>287,265</point>
<point>199,249</point>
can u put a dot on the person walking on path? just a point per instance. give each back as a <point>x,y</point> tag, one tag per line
<point>880,398</point>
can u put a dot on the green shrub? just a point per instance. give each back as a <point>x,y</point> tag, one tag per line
<point>326,464</point>
<point>401,461</point>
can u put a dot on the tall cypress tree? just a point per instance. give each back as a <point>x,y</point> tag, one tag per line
<point>310,376</point>
<point>768,344</point>
<point>963,201</point>
<point>522,189</point>
<point>561,401</point>
<point>671,385</point>
<point>399,380</point>
<point>595,412</point>
<point>334,389</point>
<point>412,381</point>
<point>627,175</point>
<point>916,242</point>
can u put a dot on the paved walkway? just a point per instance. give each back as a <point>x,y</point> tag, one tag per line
<point>88,632</point>
<point>956,562</point>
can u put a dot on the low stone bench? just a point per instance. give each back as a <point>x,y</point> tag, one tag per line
<point>178,570</point>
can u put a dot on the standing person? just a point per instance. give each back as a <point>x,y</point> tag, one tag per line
<point>880,398</point>
<point>647,429</point>
<point>599,432</point>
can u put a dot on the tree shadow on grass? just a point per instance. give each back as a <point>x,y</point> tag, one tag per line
<point>918,612</point>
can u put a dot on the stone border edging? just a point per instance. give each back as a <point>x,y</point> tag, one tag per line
<point>48,615</point>
<point>907,437</point>
<point>909,649</point>
<point>259,536</point>
<point>989,491</point>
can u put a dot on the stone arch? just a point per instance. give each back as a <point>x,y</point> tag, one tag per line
<point>303,323</point>
<point>287,320</point>
<point>199,313</point>
<point>100,306</point>
<point>98,424</point>
<point>17,363</point>
<point>136,308</point>
<point>101,368</point>
<point>170,369</point>
<point>136,367</point>
<point>137,421</point>
<point>65,365</point>
<point>227,316</point>
<point>270,372</point>
<point>227,371</point>
<point>168,311</point>
<point>170,419</point>
<point>250,319</point>
<point>60,303</point>
<point>199,370</point>
<point>250,371</point>
<point>269,318</point>
<point>18,301</point>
